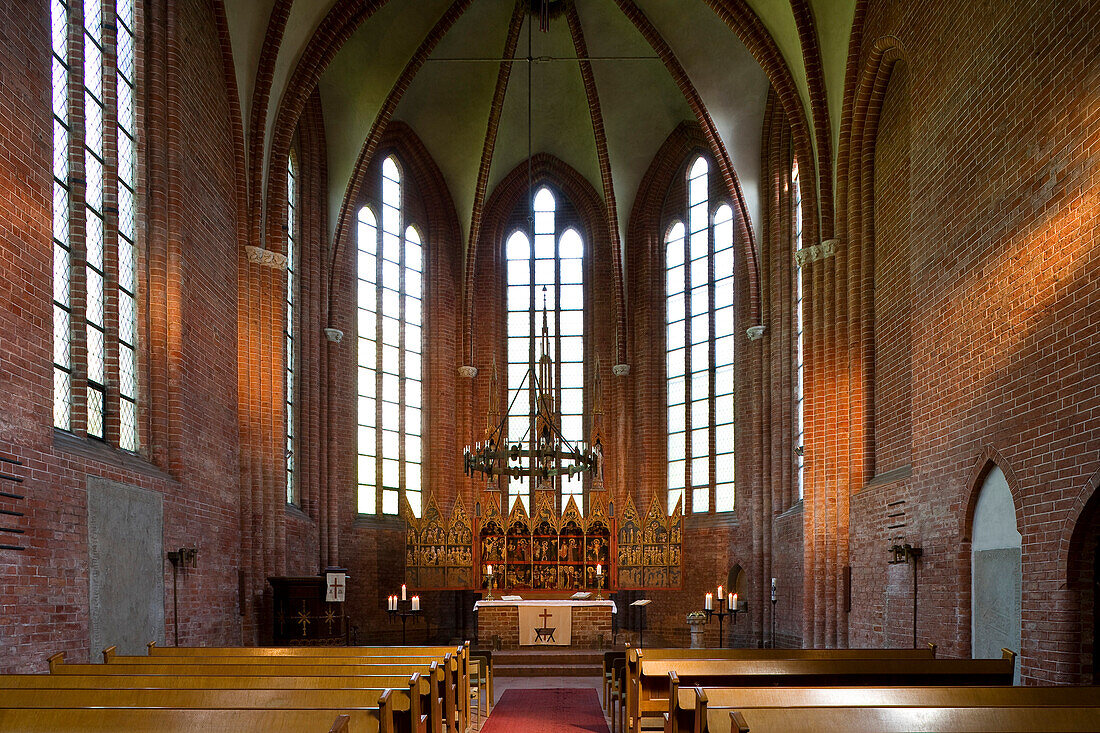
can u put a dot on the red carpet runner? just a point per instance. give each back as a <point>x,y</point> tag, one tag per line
<point>547,711</point>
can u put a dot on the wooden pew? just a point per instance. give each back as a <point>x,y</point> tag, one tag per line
<point>298,651</point>
<point>634,657</point>
<point>692,707</point>
<point>387,712</point>
<point>916,720</point>
<point>656,677</point>
<point>171,720</point>
<point>431,689</point>
<point>348,675</point>
<point>297,655</point>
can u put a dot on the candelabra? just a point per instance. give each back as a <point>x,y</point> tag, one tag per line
<point>398,608</point>
<point>599,587</point>
<point>731,611</point>
<point>491,579</point>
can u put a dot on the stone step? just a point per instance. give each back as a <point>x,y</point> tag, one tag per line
<point>547,663</point>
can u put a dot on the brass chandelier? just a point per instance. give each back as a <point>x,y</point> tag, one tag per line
<point>546,454</point>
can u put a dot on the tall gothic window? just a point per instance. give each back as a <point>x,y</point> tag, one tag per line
<point>390,298</point>
<point>291,295</point>
<point>94,117</point>
<point>799,353</point>
<point>699,321</point>
<point>546,278</point>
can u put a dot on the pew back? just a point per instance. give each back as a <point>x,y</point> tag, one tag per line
<point>694,706</point>
<point>635,656</point>
<point>907,719</point>
<point>175,720</point>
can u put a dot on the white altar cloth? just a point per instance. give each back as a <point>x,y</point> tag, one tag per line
<point>552,602</point>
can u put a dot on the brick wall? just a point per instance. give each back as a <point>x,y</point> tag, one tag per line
<point>1005,359</point>
<point>190,452</point>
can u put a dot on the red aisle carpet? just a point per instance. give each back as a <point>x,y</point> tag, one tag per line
<point>547,711</point>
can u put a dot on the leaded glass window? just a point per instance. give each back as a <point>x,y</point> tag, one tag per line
<point>546,275</point>
<point>93,62</point>
<point>799,346</point>
<point>291,354</point>
<point>390,272</point>
<point>700,321</point>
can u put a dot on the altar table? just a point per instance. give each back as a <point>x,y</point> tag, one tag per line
<point>547,622</point>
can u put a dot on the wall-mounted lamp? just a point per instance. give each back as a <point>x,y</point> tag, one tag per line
<point>180,558</point>
<point>903,553</point>
<point>183,557</point>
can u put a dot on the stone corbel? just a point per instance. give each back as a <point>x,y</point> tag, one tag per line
<point>815,252</point>
<point>467,371</point>
<point>755,333</point>
<point>265,257</point>
<point>620,370</point>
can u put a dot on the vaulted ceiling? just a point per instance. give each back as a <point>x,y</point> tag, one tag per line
<point>449,98</point>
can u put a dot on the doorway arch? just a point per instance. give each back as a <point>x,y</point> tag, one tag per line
<point>996,571</point>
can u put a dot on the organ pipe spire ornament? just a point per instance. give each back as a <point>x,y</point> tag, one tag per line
<point>549,454</point>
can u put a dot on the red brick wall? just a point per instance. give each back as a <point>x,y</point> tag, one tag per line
<point>44,591</point>
<point>1005,340</point>
<point>892,367</point>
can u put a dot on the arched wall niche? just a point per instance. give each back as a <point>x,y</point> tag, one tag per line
<point>996,569</point>
<point>1082,563</point>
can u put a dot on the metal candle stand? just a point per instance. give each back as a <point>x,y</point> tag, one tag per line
<point>404,612</point>
<point>742,607</point>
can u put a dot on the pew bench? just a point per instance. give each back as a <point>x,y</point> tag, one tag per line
<point>636,655</point>
<point>693,710</point>
<point>432,698</point>
<point>375,710</point>
<point>651,694</point>
<point>910,720</point>
<point>176,720</point>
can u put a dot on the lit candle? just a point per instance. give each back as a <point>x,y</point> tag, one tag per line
<point>733,602</point>
<point>709,604</point>
<point>489,571</point>
<point>721,593</point>
<point>403,597</point>
<point>599,569</point>
<point>416,603</point>
<point>389,603</point>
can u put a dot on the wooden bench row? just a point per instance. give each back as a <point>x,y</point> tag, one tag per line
<point>708,710</point>
<point>422,690</point>
<point>650,674</point>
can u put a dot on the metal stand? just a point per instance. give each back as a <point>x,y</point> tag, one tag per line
<point>773,622</point>
<point>404,612</point>
<point>741,608</point>
<point>599,588</point>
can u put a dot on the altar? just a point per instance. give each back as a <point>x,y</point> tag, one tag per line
<point>545,622</point>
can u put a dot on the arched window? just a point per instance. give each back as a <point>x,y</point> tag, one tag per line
<point>94,218</point>
<point>548,275</point>
<point>799,346</point>
<point>699,320</point>
<point>291,298</point>
<point>390,347</point>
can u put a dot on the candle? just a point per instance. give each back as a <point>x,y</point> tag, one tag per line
<point>489,571</point>
<point>709,604</point>
<point>403,597</point>
<point>733,602</point>
<point>416,603</point>
<point>389,603</point>
<point>599,569</point>
<point>721,594</point>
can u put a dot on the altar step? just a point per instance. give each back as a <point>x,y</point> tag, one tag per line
<point>547,663</point>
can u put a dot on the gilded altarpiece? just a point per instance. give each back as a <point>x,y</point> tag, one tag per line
<point>544,550</point>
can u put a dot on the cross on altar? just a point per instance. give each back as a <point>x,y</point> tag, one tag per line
<point>335,589</point>
<point>546,633</point>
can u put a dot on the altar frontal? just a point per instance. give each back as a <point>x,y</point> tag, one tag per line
<point>545,625</point>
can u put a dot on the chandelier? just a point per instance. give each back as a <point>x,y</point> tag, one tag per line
<point>542,453</point>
